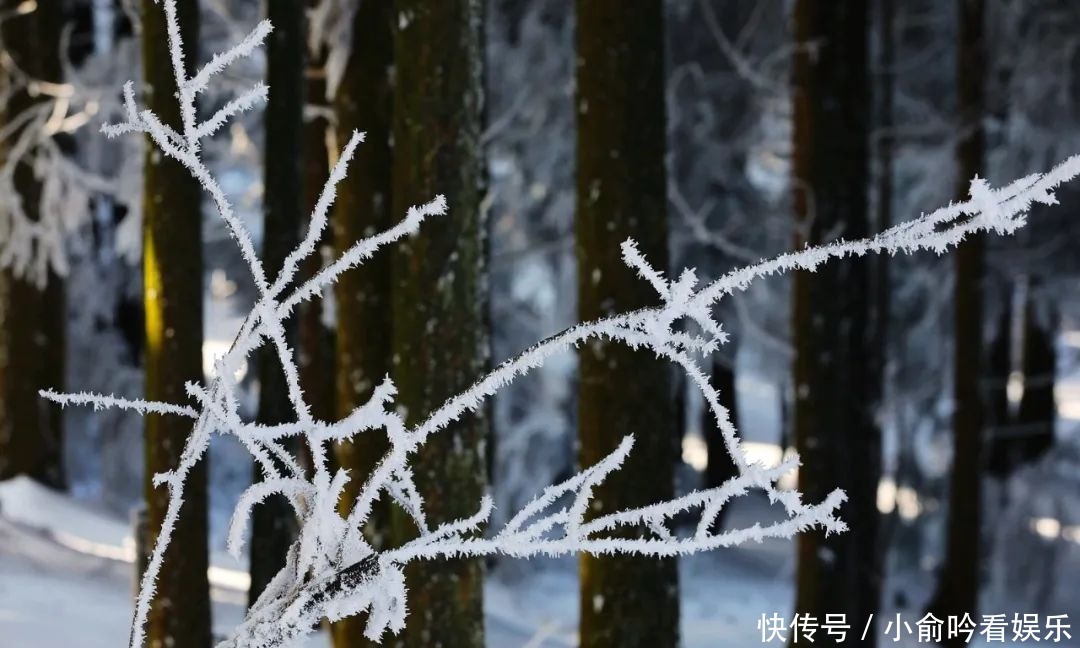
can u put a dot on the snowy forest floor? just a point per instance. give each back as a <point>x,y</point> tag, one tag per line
<point>66,579</point>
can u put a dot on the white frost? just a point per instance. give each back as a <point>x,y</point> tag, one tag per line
<point>331,571</point>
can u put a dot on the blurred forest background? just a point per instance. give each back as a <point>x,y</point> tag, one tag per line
<point>942,393</point>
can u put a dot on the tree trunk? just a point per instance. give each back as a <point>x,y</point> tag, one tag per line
<point>885,90</point>
<point>364,313</point>
<point>883,213</point>
<point>721,467</point>
<point>1038,410</point>
<point>440,344</point>
<point>958,588</point>
<point>621,192</point>
<point>998,417</point>
<point>273,523</point>
<point>32,318</point>
<point>172,293</point>
<point>316,341</point>
<point>836,369</point>
<point>31,430</point>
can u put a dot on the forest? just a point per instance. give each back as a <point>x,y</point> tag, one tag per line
<point>542,323</point>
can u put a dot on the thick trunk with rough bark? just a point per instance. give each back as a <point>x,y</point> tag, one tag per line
<point>836,369</point>
<point>273,522</point>
<point>958,588</point>
<point>364,312</point>
<point>172,295</point>
<point>32,319</point>
<point>440,344</point>
<point>621,192</point>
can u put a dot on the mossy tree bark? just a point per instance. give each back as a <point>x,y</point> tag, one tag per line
<point>958,586</point>
<point>32,319</point>
<point>440,344</point>
<point>172,295</point>
<point>273,523</point>
<point>364,311</point>
<point>837,369</point>
<point>621,192</point>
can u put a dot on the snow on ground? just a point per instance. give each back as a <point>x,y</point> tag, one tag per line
<point>66,579</point>
<point>54,595</point>
<point>24,501</point>
<point>66,575</point>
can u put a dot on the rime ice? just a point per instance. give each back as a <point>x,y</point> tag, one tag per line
<point>331,571</point>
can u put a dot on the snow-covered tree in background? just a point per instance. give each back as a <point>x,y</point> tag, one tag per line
<point>530,154</point>
<point>41,133</point>
<point>331,571</point>
<point>105,336</point>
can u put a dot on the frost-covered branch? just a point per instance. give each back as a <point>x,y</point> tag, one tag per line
<point>33,236</point>
<point>100,401</point>
<point>331,570</point>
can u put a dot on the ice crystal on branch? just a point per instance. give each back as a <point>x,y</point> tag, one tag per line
<point>331,571</point>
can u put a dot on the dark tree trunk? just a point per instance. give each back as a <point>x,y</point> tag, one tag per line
<point>1016,440</point>
<point>273,523</point>
<point>172,294</point>
<point>32,318</point>
<point>1038,410</point>
<point>958,588</point>
<point>440,344</point>
<point>883,213</point>
<point>721,467</point>
<point>999,419</point>
<point>364,313</point>
<point>836,370</point>
<point>315,350</point>
<point>883,139</point>
<point>621,192</point>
